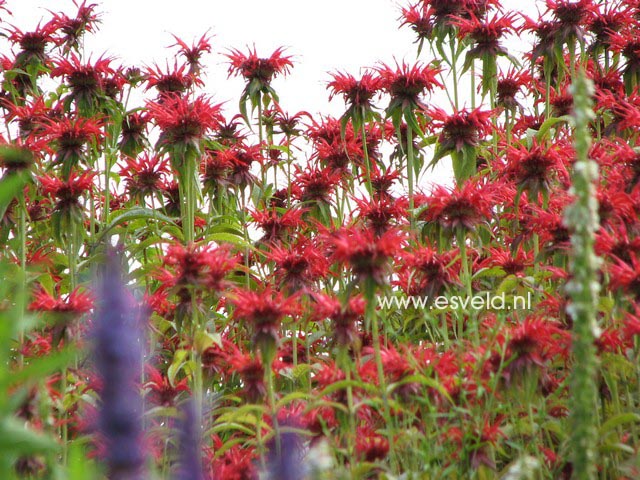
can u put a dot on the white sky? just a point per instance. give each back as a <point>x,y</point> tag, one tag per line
<point>323,36</point>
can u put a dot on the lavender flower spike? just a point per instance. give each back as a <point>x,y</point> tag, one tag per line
<point>190,461</point>
<point>118,357</point>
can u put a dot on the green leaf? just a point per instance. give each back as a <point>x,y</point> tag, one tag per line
<point>618,420</point>
<point>14,437</point>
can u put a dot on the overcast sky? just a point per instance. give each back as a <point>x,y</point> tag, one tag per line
<point>323,36</point>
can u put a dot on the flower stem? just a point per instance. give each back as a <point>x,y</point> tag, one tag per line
<point>584,288</point>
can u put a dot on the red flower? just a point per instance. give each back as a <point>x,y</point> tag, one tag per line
<point>406,84</point>
<point>193,53</point>
<point>570,18</point>
<point>315,184</point>
<point>299,265</point>
<point>345,318</point>
<point>264,311</point>
<point>533,168</point>
<point>240,158</point>
<point>509,85</point>
<point>67,192</point>
<point>86,80</point>
<point>77,302</point>
<point>163,392</point>
<point>254,68</point>
<point>460,129</point>
<point>371,446</point>
<point>132,134</point>
<point>173,81</point>
<point>197,266</point>
<point>463,207</point>
<point>486,33</point>
<point>531,343</point>
<point>511,263</point>
<point>380,214</point>
<point>251,372</point>
<point>626,276</point>
<point>145,175</point>
<point>70,137</point>
<point>74,28</point>
<point>236,463</point>
<point>184,122</point>
<point>32,44</point>
<point>277,225</point>
<point>425,272</point>
<point>420,18</point>
<point>357,93</point>
<point>364,252</point>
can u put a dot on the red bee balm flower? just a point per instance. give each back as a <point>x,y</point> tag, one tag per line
<point>263,310</point>
<point>463,207</point>
<point>67,192</point>
<point>254,68</point>
<point>406,84</point>
<point>184,121</point>
<point>366,253</point>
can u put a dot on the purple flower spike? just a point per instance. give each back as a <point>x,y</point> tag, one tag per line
<point>190,461</point>
<point>118,355</point>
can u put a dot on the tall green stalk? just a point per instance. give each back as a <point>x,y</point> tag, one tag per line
<point>584,288</point>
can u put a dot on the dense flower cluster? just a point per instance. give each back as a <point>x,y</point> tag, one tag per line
<point>264,248</point>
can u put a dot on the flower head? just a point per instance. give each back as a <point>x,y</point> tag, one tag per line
<point>406,84</point>
<point>184,122</point>
<point>256,69</point>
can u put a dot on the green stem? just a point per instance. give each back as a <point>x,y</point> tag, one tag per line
<point>410,171</point>
<point>371,319</point>
<point>583,288</point>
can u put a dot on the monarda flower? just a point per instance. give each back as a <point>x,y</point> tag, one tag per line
<point>32,44</point>
<point>162,391</point>
<point>421,20</point>
<point>406,85</point>
<point>85,80</point>
<point>31,116</point>
<point>172,81</point>
<point>263,311</point>
<point>358,94</point>
<point>345,318</point>
<point>315,184</point>
<point>626,276</point>
<point>277,225</point>
<point>145,175</point>
<point>570,19</point>
<point>72,29</point>
<point>365,253</point>
<point>254,68</point>
<point>240,158</point>
<point>183,121</point>
<point>463,207</point>
<point>462,129</point>
<point>70,137</point>
<point>67,193</point>
<point>485,34</point>
<point>64,309</point>
<point>460,134</point>
<point>193,54</point>
<point>133,134</point>
<point>380,214</point>
<point>425,272</point>
<point>508,87</point>
<point>197,267</point>
<point>299,265</point>
<point>533,169</point>
<point>258,73</point>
